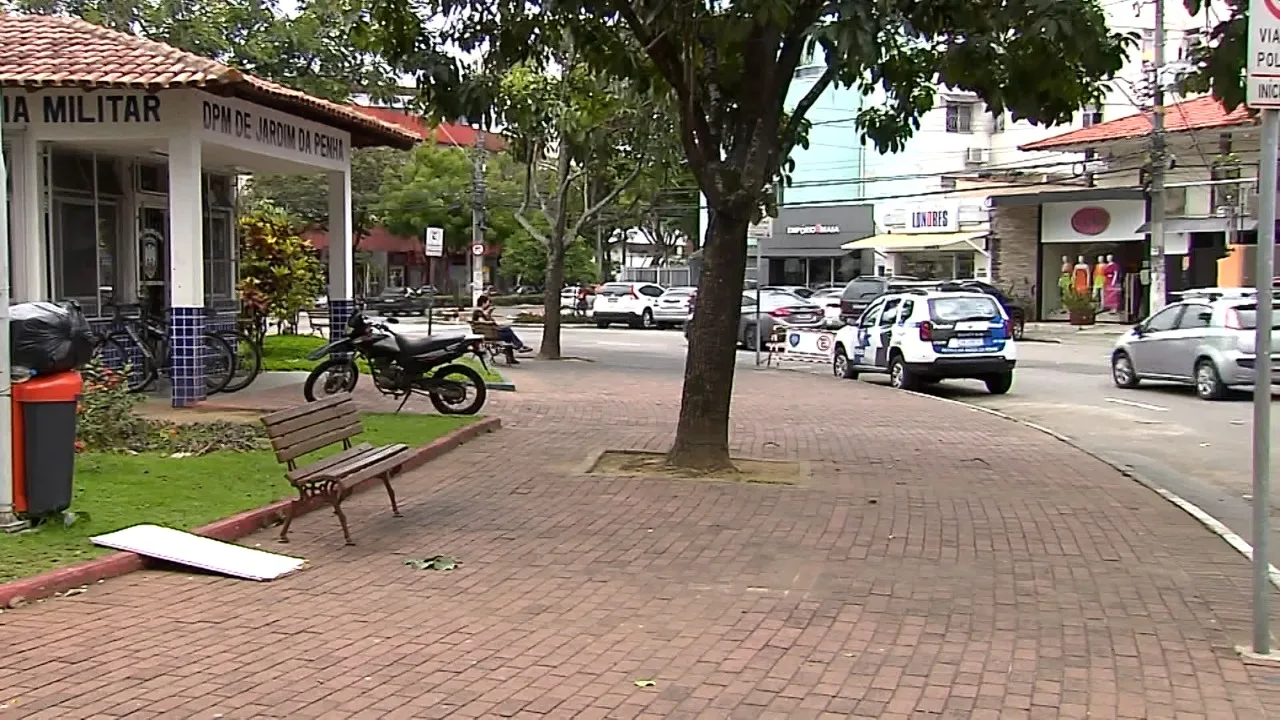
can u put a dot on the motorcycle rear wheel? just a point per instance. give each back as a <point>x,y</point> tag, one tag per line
<point>443,385</point>
<point>334,381</point>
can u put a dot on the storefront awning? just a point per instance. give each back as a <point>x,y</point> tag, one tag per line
<point>904,242</point>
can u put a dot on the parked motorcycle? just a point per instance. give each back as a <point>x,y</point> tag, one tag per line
<point>401,366</point>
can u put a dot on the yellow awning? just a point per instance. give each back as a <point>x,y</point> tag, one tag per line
<point>905,242</point>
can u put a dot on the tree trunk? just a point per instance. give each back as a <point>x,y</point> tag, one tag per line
<point>702,436</point>
<point>550,349</point>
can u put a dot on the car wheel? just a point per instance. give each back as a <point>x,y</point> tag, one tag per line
<point>646,320</point>
<point>1123,373</point>
<point>841,367</point>
<point>1208,383</point>
<point>1019,328</point>
<point>602,325</point>
<point>749,337</point>
<point>999,384</point>
<point>900,376</point>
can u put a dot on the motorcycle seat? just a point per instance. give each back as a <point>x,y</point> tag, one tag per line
<point>423,345</point>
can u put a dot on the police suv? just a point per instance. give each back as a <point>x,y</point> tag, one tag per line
<point>921,336</point>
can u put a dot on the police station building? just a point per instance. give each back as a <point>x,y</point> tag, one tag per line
<point>123,156</point>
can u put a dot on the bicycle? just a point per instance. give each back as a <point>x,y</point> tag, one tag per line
<point>149,340</point>
<point>248,359</point>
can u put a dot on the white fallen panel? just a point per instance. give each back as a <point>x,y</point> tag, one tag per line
<point>200,552</point>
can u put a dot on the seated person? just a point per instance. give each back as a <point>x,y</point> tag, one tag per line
<point>483,314</point>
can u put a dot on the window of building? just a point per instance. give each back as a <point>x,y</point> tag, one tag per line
<point>997,123</point>
<point>947,183</point>
<point>153,178</point>
<point>1226,195</point>
<point>85,224</point>
<point>1090,116</point>
<point>959,117</point>
<point>219,238</point>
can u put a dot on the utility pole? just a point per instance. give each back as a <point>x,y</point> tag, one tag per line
<point>476,251</point>
<point>1158,165</point>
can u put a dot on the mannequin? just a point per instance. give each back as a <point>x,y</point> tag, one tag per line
<point>1064,278</point>
<point>1113,289</point>
<point>1080,276</point>
<point>1099,278</point>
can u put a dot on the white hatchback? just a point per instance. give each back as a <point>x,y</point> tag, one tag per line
<point>624,302</point>
<point>925,336</point>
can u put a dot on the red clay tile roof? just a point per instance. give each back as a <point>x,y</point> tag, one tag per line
<point>443,134</point>
<point>1202,113</point>
<point>50,51</point>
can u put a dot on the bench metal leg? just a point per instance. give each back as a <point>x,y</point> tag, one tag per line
<point>336,499</point>
<point>288,520</point>
<point>386,482</point>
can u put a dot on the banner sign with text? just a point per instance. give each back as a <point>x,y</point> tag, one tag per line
<point>245,126</point>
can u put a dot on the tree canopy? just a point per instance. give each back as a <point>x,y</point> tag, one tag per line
<point>1219,58</point>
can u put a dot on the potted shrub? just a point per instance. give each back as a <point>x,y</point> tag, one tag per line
<point>1080,307</point>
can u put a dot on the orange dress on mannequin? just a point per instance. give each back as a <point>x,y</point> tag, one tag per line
<point>1080,278</point>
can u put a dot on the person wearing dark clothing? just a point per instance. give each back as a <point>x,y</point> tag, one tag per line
<point>484,314</point>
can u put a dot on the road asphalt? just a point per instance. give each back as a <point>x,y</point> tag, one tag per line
<point>1199,450</point>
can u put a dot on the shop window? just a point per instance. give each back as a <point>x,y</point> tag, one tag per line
<point>85,250</point>
<point>792,272</point>
<point>959,117</point>
<point>74,172</point>
<point>219,255</point>
<point>153,178</point>
<point>395,277</point>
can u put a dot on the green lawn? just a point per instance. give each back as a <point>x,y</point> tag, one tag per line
<point>117,491</point>
<point>289,352</point>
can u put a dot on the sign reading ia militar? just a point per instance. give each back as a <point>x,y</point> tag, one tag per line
<point>1263,66</point>
<point>82,108</point>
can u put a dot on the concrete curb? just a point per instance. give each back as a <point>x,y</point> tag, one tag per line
<point>228,529</point>
<point>1211,523</point>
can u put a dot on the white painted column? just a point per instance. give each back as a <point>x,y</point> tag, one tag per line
<point>186,227</point>
<point>341,244</point>
<point>186,271</point>
<point>341,253</point>
<point>30,257</point>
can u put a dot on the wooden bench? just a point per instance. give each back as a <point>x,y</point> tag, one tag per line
<point>494,345</point>
<point>297,431</point>
<point>318,321</point>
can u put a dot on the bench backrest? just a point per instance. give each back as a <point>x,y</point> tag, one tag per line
<point>296,431</point>
<point>488,331</point>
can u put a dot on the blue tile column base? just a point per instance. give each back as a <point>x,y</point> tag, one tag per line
<point>186,348</point>
<point>340,312</point>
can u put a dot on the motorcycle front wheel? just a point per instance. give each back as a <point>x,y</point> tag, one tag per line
<point>452,385</point>
<point>333,376</point>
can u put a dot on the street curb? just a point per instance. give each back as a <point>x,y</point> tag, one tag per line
<point>228,529</point>
<point>1211,523</point>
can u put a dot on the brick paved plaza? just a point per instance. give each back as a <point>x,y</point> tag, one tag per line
<point>937,562</point>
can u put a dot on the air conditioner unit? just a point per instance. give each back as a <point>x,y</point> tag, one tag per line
<point>977,155</point>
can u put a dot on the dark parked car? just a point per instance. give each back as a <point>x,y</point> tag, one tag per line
<point>861,291</point>
<point>394,302</point>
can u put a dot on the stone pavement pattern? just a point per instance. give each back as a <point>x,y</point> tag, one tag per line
<point>959,568</point>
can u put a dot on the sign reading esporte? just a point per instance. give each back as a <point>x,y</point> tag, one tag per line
<point>261,129</point>
<point>1263,66</point>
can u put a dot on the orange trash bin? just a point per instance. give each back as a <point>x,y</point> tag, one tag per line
<point>44,442</point>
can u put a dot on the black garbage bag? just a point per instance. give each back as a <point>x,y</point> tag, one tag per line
<point>49,338</point>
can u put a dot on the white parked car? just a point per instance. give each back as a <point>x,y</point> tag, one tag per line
<point>925,336</point>
<point>674,307</point>
<point>829,301</point>
<point>627,302</point>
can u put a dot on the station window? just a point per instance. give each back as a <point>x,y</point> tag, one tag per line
<point>85,220</point>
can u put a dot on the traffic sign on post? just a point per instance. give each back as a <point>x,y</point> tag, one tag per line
<point>434,242</point>
<point>477,250</point>
<point>1263,82</point>
<point>1264,54</point>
